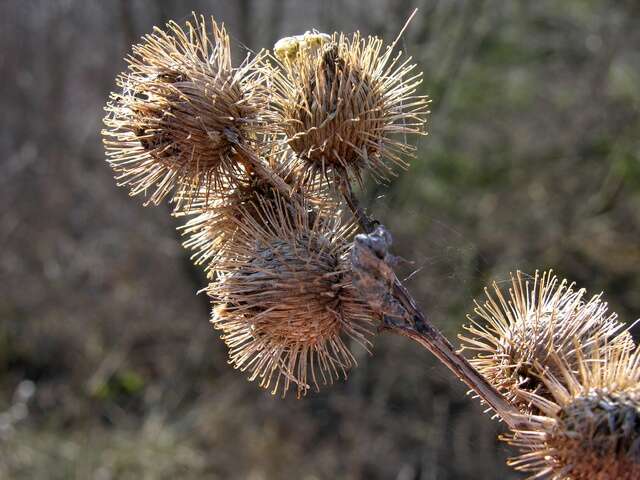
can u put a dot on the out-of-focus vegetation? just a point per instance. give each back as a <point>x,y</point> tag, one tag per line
<point>108,366</point>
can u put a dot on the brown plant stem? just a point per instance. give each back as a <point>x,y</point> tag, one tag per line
<point>378,284</point>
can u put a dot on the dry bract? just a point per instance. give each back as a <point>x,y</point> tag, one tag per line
<point>589,424</point>
<point>346,104</point>
<point>181,108</point>
<point>285,302</point>
<point>514,333</point>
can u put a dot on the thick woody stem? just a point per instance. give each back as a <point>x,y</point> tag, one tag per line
<point>378,284</point>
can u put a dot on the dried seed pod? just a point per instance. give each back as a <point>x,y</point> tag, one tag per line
<point>181,110</point>
<point>343,103</point>
<point>589,424</point>
<point>284,300</point>
<point>514,333</point>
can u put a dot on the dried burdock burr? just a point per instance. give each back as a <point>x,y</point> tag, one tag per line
<point>346,104</point>
<point>514,332</point>
<point>249,155</point>
<point>588,427</point>
<point>181,109</point>
<point>284,299</point>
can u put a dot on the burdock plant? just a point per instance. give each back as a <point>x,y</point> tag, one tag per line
<point>259,160</point>
<point>249,155</point>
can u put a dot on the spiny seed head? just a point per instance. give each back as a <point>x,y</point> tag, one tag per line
<point>589,424</point>
<point>284,299</point>
<point>346,105</point>
<point>181,108</point>
<point>513,333</point>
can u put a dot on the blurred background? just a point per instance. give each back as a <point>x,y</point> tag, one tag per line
<point>109,368</point>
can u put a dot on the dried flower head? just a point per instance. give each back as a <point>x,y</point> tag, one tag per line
<point>515,333</point>
<point>343,103</point>
<point>285,302</point>
<point>589,425</point>
<point>181,109</point>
